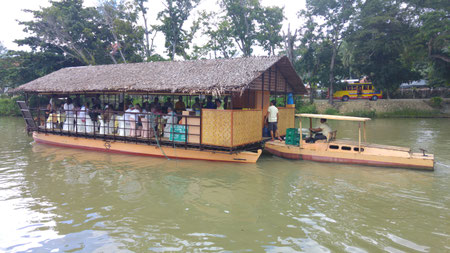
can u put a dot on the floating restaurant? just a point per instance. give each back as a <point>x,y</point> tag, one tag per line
<point>219,115</point>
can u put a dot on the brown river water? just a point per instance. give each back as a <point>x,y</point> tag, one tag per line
<point>66,200</point>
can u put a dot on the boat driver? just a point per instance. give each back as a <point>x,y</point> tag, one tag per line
<point>322,131</point>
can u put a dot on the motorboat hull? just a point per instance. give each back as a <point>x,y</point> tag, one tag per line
<point>144,149</point>
<point>372,155</point>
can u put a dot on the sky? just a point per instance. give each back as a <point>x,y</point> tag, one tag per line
<point>11,11</point>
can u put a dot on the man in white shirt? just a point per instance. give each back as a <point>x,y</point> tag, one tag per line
<point>322,131</point>
<point>272,118</point>
<point>70,117</point>
<point>134,120</point>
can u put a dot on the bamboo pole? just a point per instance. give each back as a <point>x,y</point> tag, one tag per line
<point>364,131</point>
<point>301,133</point>
<point>359,138</point>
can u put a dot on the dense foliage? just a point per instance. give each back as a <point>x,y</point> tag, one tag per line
<point>389,41</point>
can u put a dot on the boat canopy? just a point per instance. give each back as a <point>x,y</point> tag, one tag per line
<point>335,117</point>
<point>274,74</point>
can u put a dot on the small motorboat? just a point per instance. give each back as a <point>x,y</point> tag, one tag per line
<point>350,152</point>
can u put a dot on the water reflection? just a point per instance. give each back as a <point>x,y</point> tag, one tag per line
<point>70,200</point>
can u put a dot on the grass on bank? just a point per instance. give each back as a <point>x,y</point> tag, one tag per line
<point>8,106</point>
<point>409,113</point>
<point>405,113</point>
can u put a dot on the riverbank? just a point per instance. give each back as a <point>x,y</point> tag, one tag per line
<point>8,106</point>
<point>383,108</point>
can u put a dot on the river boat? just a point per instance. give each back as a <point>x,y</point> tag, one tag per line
<point>349,152</point>
<point>232,134</point>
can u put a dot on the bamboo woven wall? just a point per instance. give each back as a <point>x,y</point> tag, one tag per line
<point>274,81</point>
<point>247,127</point>
<point>286,119</point>
<point>216,127</point>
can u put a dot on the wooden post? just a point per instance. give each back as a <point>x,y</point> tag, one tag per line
<point>231,101</point>
<point>285,90</point>
<point>310,126</point>
<point>262,94</point>
<point>364,131</point>
<point>359,137</point>
<point>270,77</point>
<point>301,132</point>
<point>276,81</point>
<point>248,99</point>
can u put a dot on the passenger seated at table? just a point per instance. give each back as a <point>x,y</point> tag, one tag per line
<point>84,124</point>
<point>107,123</point>
<point>321,132</point>
<point>167,104</point>
<point>68,109</point>
<point>197,106</point>
<point>219,104</point>
<point>180,106</point>
<point>148,123</point>
<point>94,113</point>
<point>127,120</point>
<point>209,103</point>
<point>135,129</point>
<point>171,120</point>
<point>226,103</point>
<point>156,104</point>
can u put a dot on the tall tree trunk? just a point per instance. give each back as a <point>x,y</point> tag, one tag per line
<point>113,59</point>
<point>147,40</point>
<point>174,46</point>
<point>331,80</point>
<point>311,93</point>
<point>289,41</point>
<point>147,47</point>
<point>246,47</point>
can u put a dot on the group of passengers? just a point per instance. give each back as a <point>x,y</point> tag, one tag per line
<point>135,120</point>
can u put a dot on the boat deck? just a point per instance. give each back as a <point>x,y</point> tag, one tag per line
<point>150,140</point>
<point>370,145</point>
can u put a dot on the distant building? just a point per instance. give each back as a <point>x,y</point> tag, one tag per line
<point>418,84</point>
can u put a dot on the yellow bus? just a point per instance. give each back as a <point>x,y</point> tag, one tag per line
<point>358,90</point>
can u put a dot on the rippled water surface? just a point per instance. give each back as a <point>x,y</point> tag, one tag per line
<point>57,199</point>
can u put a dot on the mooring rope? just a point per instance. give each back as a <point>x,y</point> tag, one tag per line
<point>157,142</point>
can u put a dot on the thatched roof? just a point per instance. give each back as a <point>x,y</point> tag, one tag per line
<point>198,76</point>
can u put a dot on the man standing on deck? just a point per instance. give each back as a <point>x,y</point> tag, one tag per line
<point>272,117</point>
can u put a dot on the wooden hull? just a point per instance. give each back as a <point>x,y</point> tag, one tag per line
<point>384,156</point>
<point>144,149</point>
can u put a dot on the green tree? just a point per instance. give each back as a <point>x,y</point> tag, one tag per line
<point>429,48</point>
<point>337,16</point>
<point>378,42</point>
<point>147,30</point>
<point>70,27</point>
<point>3,50</point>
<point>173,17</point>
<point>243,16</point>
<point>218,30</point>
<point>18,67</point>
<point>346,55</point>
<point>121,20</point>
<point>270,23</point>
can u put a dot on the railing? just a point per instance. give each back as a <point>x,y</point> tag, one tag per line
<point>215,129</point>
<point>142,127</point>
